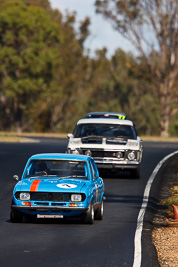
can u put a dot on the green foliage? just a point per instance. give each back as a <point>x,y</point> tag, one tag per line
<point>69,80</point>
<point>29,44</point>
<point>42,3</point>
<point>174,125</point>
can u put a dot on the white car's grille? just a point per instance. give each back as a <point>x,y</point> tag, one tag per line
<point>103,154</point>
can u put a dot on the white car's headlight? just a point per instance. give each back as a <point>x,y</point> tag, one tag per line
<point>119,154</point>
<point>24,196</point>
<point>69,151</point>
<point>76,197</point>
<point>131,155</point>
<point>88,153</point>
<point>76,151</point>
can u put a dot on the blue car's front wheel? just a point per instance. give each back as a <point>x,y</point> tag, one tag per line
<point>99,212</point>
<point>88,217</point>
<point>16,216</point>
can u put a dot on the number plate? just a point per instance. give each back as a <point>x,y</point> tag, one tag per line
<point>49,216</point>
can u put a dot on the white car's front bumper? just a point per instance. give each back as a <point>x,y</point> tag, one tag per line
<point>109,163</point>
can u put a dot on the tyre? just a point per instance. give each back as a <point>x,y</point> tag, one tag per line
<point>136,173</point>
<point>16,216</point>
<point>99,212</point>
<point>88,217</point>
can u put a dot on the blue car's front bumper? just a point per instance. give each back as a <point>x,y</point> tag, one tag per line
<point>65,211</point>
<point>48,208</point>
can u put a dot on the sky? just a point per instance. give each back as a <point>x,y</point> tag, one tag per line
<point>101,31</point>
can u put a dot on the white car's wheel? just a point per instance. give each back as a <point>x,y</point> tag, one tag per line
<point>136,173</point>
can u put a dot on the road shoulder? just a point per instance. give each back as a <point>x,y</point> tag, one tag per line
<point>155,221</point>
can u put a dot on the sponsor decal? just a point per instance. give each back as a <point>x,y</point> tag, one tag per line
<point>34,185</point>
<point>66,186</point>
<point>121,117</point>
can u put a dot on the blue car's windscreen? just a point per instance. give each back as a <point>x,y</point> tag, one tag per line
<point>57,168</point>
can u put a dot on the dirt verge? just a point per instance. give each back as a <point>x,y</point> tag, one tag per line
<point>165,231</point>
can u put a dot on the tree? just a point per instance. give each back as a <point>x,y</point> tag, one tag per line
<point>135,92</point>
<point>29,50</point>
<point>68,87</point>
<point>42,3</point>
<point>152,27</point>
<point>116,84</point>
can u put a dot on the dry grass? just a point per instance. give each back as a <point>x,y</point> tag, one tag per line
<point>159,139</point>
<point>165,232</point>
<point>172,200</point>
<point>25,137</point>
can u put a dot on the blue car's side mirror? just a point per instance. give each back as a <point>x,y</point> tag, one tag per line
<point>16,178</point>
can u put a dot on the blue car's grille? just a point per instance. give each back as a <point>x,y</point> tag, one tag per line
<point>50,196</point>
<point>45,196</point>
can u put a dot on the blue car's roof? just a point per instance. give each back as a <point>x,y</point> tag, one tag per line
<point>62,156</point>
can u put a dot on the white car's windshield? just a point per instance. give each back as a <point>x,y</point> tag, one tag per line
<point>57,168</point>
<point>104,130</point>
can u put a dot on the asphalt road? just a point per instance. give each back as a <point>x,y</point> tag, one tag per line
<point>106,243</point>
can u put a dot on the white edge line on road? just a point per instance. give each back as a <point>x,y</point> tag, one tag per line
<point>138,233</point>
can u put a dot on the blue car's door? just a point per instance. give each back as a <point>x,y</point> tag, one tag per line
<point>97,183</point>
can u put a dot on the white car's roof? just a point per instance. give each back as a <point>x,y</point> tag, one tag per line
<point>105,121</point>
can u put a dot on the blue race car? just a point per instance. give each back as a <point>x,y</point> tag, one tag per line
<point>58,186</point>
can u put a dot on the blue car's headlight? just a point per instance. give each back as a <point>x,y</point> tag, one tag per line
<point>24,196</point>
<point>76,197</point>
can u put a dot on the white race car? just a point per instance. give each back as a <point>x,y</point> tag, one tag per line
<point>112,143</point>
